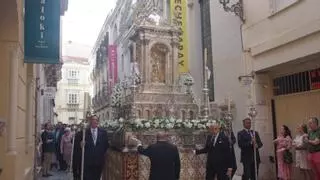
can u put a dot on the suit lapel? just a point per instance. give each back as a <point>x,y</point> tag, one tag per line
<point>89,137</point>
<point>98,136</point>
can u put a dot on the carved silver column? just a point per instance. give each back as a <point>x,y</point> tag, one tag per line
<point>205,89</point>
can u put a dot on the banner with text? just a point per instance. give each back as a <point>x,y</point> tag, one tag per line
<point>113,65</point>
<point>42,32</point>
<point>179,18</point>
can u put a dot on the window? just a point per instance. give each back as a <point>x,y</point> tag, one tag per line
<point>72,120</point>
<point>73,98</point>
<point>294,83</point>
<point>278,5</point>
<point>73,81</point>
<point>73,74</point>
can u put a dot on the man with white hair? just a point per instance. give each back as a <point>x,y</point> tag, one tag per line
<point>219,159</point>
<point>164,157</point>
<point>95,148</point>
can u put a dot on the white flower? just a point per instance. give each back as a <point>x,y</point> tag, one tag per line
<point>121,120</point>
<point>137,121</point>
<point>169,126</point>
<point>172,120</point>
<point>147,125</point>
<point>179,121</point>
<point>156,121</point>
<point>156,125</point>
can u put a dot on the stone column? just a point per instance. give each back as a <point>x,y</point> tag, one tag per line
<point>146,59</point>
<point>30,103</point>
<point>14,56</point>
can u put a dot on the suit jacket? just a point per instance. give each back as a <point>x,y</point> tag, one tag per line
<point>219,155</point>
<point>93,154</point>
<point>165,160</point>
<point>244,142</point>
<point>47,146</point>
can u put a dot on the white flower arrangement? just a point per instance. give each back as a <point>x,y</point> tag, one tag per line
<point>114,124</point>
<point>117,95</point>
<point>162,123</point>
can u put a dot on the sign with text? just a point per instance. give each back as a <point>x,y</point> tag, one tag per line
<point>42,31</point>
<point>179,19</point>
<point>50,92</point>
<point>314,79</point>
<point>113,65</point>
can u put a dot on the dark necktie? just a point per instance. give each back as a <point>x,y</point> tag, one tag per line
<point>212,140</point>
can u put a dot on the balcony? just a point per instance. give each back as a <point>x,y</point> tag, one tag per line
<point>73,82</point>
<point>73,106</point>
<point>53,74</point>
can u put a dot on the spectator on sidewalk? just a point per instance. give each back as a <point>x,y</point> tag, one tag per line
<point>48,148</point>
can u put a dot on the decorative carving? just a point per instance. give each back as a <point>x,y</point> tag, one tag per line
<point>158,56</point>
<point>132,166</point>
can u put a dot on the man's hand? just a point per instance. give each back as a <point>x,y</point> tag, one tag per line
<point>82,143</point>
<point>194,151</point>
<point>229,172</point>
<point>136,141</point>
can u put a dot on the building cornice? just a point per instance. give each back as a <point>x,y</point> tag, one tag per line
<point>109,20</point>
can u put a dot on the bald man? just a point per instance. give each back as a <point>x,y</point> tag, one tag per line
<point>164,157</point>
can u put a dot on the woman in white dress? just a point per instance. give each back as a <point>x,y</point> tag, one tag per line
<point>301,152</point>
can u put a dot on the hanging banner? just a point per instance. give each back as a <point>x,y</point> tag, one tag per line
<point>42,31</point>
<point>179,19</point>
<point>113,65</point>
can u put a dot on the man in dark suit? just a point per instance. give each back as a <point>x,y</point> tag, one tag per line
<point>95,147</point>
<point>164,157</point>
<point>219,159</point>
<point>247,141</point>
<point>58,135</point>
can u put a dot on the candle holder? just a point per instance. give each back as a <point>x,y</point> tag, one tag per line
<point>252,112</point>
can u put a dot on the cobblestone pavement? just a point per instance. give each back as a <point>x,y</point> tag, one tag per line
<point>58,175</point>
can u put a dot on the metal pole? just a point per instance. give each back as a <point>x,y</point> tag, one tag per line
<point>71,161</point>
<point>35,165</point>
<point>253,114</point>
<point>255,154</point>
<point>83,149</point>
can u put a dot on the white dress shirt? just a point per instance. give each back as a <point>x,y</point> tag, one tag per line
<point>94,132</point>
<point>215,139</point>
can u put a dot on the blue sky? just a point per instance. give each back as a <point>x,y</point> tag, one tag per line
<point>84,19</point>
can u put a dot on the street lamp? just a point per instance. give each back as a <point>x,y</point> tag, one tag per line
<point>236,8</point>
<point>247,80</point>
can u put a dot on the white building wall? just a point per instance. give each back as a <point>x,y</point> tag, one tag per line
<point>63,110</point>
<point>228,65</point>
<point>195,48</point>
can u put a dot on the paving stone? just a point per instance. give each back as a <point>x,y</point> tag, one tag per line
<point>58,176</point>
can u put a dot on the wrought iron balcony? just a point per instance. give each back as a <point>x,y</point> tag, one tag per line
<point>53,74</point>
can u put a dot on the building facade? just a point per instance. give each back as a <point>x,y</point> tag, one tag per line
<point>281,48</point>
<point>72,94</point>
<point>19,96</point>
